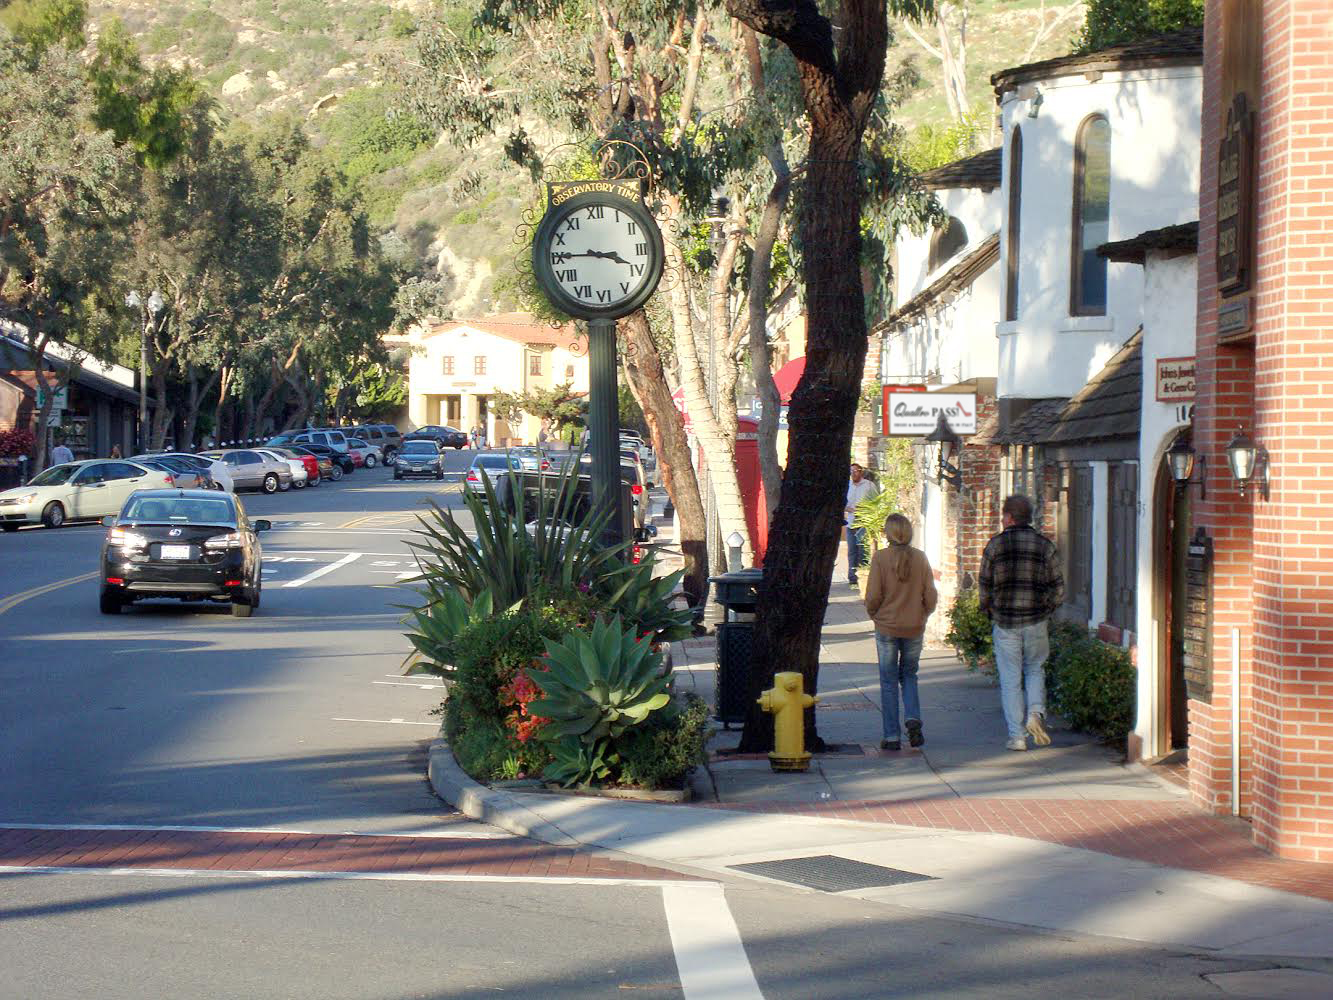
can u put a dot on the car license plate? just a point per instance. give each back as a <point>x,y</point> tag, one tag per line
<point>175,552</point>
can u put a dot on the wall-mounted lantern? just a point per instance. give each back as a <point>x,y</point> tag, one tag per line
<point>948,444</point>
<point>1249,463</point>
<point>1182,460</point>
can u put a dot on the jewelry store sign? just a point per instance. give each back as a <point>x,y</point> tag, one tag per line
<point>1175,380</point>
<point>915,414</point>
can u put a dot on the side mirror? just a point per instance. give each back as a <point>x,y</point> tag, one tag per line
<point>108,521</point>
<point>262,525</point>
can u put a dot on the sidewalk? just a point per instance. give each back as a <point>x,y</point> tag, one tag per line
<point>1065,837</point>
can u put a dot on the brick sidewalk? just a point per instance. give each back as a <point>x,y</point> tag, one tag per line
<point>1164,833</point>
<point>302,852</point>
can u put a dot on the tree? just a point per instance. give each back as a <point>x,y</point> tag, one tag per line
<point>1115,22</point>
<point>840,87</point>
<point>37,25</point>
<point>560,405</point>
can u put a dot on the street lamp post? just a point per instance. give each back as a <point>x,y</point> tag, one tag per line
<point>151,307</point>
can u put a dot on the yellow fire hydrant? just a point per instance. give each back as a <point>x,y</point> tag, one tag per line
<point>787,700</point>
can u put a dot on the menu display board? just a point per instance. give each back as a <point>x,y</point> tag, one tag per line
<point>1198,614</point>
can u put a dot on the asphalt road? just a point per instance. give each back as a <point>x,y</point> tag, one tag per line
<point>193,805</point>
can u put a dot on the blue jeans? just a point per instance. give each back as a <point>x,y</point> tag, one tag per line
<point>1020,660</point>
<point>898,662</point>
<point>855,550</point>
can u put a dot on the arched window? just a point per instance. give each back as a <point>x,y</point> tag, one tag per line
<point>1011,244</point>
<point>947,241</point>
<point>1092,215</point>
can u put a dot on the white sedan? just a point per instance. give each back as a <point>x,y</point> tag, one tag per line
<point>300,475</point>
<point>77,491</point>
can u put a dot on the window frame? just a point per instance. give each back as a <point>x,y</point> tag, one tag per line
<point>447,364</point>
<point>1013,235</point>
<point>479,364</point>
<point>535,364</point>
<point>1077,211</point>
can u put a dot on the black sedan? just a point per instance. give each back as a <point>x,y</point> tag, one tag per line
<point>193,545</point>
<point>419,457</point>
<point>445,437</point>
<point>340,459</point>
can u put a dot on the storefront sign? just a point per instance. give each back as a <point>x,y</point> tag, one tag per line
<point>1198,618</point>
<point>1235,199</point>
<point>1175,380</point>
<point>915,414</point>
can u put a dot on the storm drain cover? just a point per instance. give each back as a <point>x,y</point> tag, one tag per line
<point>831,873</point>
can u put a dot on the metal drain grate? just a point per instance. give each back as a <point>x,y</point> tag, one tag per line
<point>831,873</point>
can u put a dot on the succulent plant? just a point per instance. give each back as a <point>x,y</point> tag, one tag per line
<point>574,762</point>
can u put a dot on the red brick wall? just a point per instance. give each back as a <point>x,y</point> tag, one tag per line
<point>1274,560</point>
<point>976,511</point>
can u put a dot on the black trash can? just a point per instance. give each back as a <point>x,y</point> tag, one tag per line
<point>738,595</point>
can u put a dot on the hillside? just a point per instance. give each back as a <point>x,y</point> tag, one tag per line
<point>456,209</point>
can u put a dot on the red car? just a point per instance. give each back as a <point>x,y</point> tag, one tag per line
<point>310,462</point>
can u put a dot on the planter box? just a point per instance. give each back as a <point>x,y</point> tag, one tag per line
<point>632,794</point>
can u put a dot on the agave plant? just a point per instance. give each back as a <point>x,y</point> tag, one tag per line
<point>574,762</point>
<point>646,600</point>
<point>437,624</point>
<point>599,684</point>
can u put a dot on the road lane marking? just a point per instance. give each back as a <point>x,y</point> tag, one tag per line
<point>301,581</point>
<point>710,956</point>
<point>410,684</point>
<point>27,595</point>
<point>144,828</point>
<point>389,722</point>
<point>346,876</point>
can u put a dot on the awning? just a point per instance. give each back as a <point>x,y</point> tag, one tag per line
<point>787,376</point>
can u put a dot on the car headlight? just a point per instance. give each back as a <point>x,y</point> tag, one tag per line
<point>125,539</point>
<point>24,498</point>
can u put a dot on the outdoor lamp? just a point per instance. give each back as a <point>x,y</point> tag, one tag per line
<point>1248,461</point>
<point>949,443</point>
<point>1182,459</point>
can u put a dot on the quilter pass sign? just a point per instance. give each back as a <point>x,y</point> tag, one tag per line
<point>915,414</point>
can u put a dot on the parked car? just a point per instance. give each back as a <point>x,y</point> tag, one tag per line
<point>300,475</point>
<point>371,455</point>
<point>384,437</point>
<point>532,459</point>
<point>217,471</point>
<point>183,476</point>
<point>76,491</point>
<point>342,461</point>
<point>307,462</point>
<point>631,472</point>
<point>445,437</point>
<point>330,438</point>
<point>251,470</point>
<point>325,467</point>
<point>419,457</point>
<point>193,545</point>
<point>492,465</point>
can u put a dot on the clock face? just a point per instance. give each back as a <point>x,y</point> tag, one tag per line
<point>600,254</point>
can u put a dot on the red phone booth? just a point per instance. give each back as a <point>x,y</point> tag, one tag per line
<point>752,485</point>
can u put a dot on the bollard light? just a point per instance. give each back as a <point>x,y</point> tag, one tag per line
<point>735,551</point>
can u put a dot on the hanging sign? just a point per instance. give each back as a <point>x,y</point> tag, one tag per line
<point>915,414</point>
<point>1175,380</point>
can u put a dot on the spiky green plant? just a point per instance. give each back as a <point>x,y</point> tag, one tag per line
<point>574,762</point>
<point>645,600</point>
<point>437,623</point>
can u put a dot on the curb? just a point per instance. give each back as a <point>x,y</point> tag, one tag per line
<point>478,802</point>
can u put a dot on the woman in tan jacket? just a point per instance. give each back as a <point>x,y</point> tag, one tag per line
<point>900,595</point>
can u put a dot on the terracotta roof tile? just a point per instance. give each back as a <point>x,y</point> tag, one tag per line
<point>521,328</point>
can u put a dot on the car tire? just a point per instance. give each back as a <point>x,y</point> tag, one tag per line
<point>439,476</point>
<point>370,461</point>
<point>10,527</point>
<point>390,457</point>
<point>298,484</point>
<point>337,472</point>
<point>256,593</point>
<point>110,603</point>
<point>316,481</point>
<point>270,483</point>
<point>396,475</point>
<point>54,514</point>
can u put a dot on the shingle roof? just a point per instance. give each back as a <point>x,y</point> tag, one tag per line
<point>980,259</point>
<point>1108,406</point>
<point>1034,423</point>
<point>1183,238</point>
<point>981,170</point>
<point>1177,48</point>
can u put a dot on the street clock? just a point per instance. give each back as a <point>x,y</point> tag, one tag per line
<point>598,252</point>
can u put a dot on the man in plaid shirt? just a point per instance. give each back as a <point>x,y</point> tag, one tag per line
<point>1020,587</point>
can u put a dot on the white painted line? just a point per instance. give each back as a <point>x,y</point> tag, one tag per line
<point>132,828</point>
<point>409,684</point>
<point>710,956</point>
<point>369,876</point>
<point>387,722</point>
<point>350,557</point>
<point>334,552</point>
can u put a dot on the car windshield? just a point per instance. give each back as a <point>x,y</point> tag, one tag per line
<point>178,510</point>
<point>357,443</point>
<point>57,475</point>
<point>495,461</point>
<point>423,447</point>
<point>284,452</point>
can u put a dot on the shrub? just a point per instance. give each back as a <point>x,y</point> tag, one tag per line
<point>1091,683</point>
<point>663,751</point>
<point>16,443</point>
<point>970,632</point>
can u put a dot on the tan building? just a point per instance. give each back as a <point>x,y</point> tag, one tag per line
<point>459,365</point>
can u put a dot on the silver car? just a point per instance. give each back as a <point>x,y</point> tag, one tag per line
<point>251,470</point>
<point>77,491</point>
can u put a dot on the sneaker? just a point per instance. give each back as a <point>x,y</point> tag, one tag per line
<point>1019,744</point>
<point>890,744</point>
<point>851,582</point>
<point>1037,729</point>
<point>914,735</point>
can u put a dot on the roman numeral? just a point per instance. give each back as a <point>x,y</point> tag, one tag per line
<point>572,223</point>
<point>569,274</point>
<point>636,270</point>
<point>641,249</point>
<point>624,288</point>
<point>595,211</point>
<point>617,211</point>
<point>583,292</point>
<point>603,295</point>
<point>559,239</point>
<point>631,228</point>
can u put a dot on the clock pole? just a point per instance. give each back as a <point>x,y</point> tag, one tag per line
<point>603,420</point>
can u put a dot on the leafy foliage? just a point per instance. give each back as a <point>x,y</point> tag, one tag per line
<point>970,632</point>
<point>559,404</point>
<point>575,763</point>
<point>662,751</point>
<point>1115,22</point>
<point>1091,683</point>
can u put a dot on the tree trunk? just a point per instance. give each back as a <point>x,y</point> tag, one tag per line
<point>194,401</point>
<point>162,415</point>
<point>227,376</point>
<point>666,426</point>
<point>839,93</point>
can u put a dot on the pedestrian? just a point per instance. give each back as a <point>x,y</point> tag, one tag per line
<point>900,595</point>
<point>476,435</point>
<point>115,451</point>
<point>543,436</point>
<point>61,454</point>
<point>858,489</point>
<point>1019,588</point>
